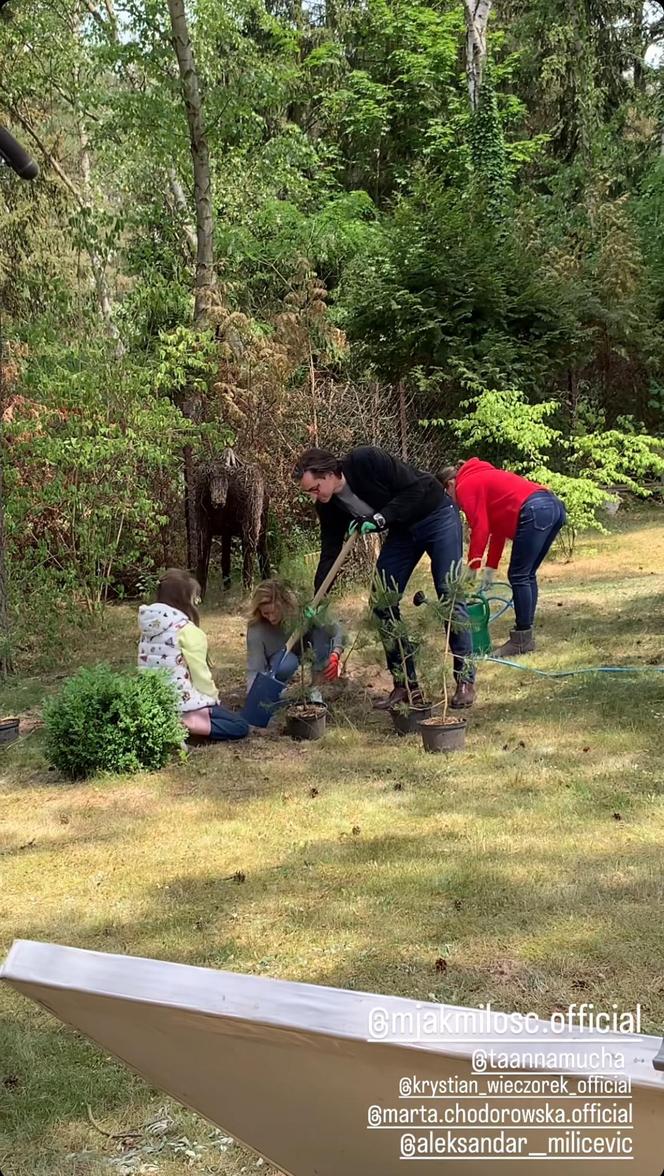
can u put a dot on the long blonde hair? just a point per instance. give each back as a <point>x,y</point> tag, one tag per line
<point>271,592</point>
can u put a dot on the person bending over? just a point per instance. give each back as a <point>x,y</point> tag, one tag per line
<point>371,491</point>
<point>500,505</point>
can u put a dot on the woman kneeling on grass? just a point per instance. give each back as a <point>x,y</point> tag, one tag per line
<point>500,505</point>
<point>172,639</point>
<point>273,608</point>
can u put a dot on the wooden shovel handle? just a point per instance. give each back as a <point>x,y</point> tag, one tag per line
<point>325,586</point>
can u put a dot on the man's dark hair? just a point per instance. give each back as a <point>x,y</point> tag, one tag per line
<point>317,461</point>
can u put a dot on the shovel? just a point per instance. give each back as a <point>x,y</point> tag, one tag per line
<point>266,690</point>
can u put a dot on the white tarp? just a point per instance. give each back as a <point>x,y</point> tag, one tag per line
<point>295,1072</point>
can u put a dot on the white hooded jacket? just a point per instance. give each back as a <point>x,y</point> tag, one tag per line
<point>170,641</point>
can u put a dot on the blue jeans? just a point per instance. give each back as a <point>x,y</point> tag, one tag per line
<point>226,725</point>
<point>285,665</point>
<point>540,519</point>
<point>440,535</point>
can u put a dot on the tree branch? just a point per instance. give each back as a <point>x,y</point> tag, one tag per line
<point>108,5</point>
<point>48,155</point>
<point>95,13</point>
<point>182,206</point>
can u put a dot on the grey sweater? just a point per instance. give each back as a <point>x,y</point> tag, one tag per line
<point>264,640</point>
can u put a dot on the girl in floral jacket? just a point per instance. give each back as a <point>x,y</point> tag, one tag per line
<point>171,639</point>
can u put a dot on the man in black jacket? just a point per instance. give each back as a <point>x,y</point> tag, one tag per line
<point>371,491</point>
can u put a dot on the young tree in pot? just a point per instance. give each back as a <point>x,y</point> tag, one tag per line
<point>442,731</point>
<point>306,716</point>
<point>394,635</point>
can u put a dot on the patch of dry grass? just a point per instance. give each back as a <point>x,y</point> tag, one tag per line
<point>531,863</point>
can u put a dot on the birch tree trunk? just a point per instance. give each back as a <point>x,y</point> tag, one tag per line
<point>205,278</point>
<point>477,19</point>
<point>96,261</point>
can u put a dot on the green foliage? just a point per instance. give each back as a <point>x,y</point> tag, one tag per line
<point>156,306</point>
<point>506,430</point>
<point>186,361</point>
<point>397,96</point>
<point>560,293</point>
<point>487,146</point>
<point>619,457</point>
<point>361,110</point>
<point>424,635</point>
<point>103,721</point>
<point>394,633</point>
<point>92,470</point>
<point>266,244</point>
<point>500,426</point>
<point>444,287</point>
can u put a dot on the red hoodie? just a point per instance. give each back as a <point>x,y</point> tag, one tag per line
<point>491,500</point>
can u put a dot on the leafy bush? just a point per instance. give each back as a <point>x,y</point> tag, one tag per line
<point>619,457</point>
<point>92,473</point>
<point>103,721</point>
<point>500,426</point>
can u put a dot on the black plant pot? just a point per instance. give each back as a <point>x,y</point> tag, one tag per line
<point>306,720</point>
<point>440,736</point>
<point>407,719</point>
<point>8,730</point>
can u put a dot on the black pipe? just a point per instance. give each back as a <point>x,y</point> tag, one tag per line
<point>15,157</point>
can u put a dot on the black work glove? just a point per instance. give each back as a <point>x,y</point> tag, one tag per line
<point>368,525</point>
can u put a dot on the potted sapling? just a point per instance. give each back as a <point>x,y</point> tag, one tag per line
<point>306,715</point>
<point>440,730</point>
<point>401,647</point>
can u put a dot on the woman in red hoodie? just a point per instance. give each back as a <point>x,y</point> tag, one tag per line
<point>500,505</point>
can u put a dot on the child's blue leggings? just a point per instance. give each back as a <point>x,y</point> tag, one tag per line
<point>225,724</point>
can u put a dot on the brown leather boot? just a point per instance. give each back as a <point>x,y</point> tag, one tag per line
<point>520,641</point>
<point>464,696</point>
<point>399,695</point>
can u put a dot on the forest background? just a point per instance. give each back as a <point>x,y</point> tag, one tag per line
<point>432,226</point>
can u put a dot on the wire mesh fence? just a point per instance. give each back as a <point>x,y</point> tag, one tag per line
<point>382,415</point>
<point>326,413</point>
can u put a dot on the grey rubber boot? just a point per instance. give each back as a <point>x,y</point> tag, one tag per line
<point>521,641</point>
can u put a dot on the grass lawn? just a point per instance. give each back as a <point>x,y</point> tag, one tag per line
<point>531,863</point>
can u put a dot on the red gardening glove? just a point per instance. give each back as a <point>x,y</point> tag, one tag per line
<point>333,667</point>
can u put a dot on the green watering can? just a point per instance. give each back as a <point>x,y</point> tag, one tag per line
<point>483,610</point>
<point>479,613</point>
